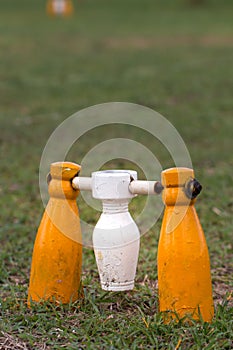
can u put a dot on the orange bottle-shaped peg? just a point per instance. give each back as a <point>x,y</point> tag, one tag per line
<point>184,279</point>
<point>59,7</point>
<point>57,255</point>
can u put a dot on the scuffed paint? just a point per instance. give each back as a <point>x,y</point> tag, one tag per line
<point>57,255</point>
<point>184,278</point>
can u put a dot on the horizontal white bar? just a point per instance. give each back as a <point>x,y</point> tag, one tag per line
<point>82,183</point>
<point>135,186</point>
<point>145,187</point>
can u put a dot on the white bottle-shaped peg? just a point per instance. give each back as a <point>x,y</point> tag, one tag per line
<point>116,238</point>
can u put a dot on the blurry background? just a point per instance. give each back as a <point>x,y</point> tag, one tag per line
<point>175,58</point>
<point>172,56</point>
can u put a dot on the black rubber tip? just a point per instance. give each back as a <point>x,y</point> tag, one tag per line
<point>193,188</point>
<point>158,187</point>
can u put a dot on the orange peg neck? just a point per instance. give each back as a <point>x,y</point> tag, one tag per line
<point>174,181</point>
<point>60,180</point>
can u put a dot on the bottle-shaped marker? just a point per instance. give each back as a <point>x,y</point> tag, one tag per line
<point>57,254</point>
<point>59,7</point>
<point>184,279</point>
<point>116,237</point>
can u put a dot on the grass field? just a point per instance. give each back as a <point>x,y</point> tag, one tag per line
<point>176,59</point>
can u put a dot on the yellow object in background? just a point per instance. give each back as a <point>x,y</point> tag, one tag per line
<point>184,279</point>
<point>57,256</point>
<point>60,7</point>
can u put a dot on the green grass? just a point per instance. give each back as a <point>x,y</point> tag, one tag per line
<point>174,58</point>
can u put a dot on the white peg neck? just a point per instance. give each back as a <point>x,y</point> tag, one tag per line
<point>116,206</point>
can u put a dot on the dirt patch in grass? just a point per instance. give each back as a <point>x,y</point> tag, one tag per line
<point>168,41</point>
<point>222,284</point>
<point>7,341</point>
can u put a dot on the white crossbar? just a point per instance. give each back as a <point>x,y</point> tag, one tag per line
<point>135,187</point>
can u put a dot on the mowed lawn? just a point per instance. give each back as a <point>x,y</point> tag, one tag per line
<point>173,57</point>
